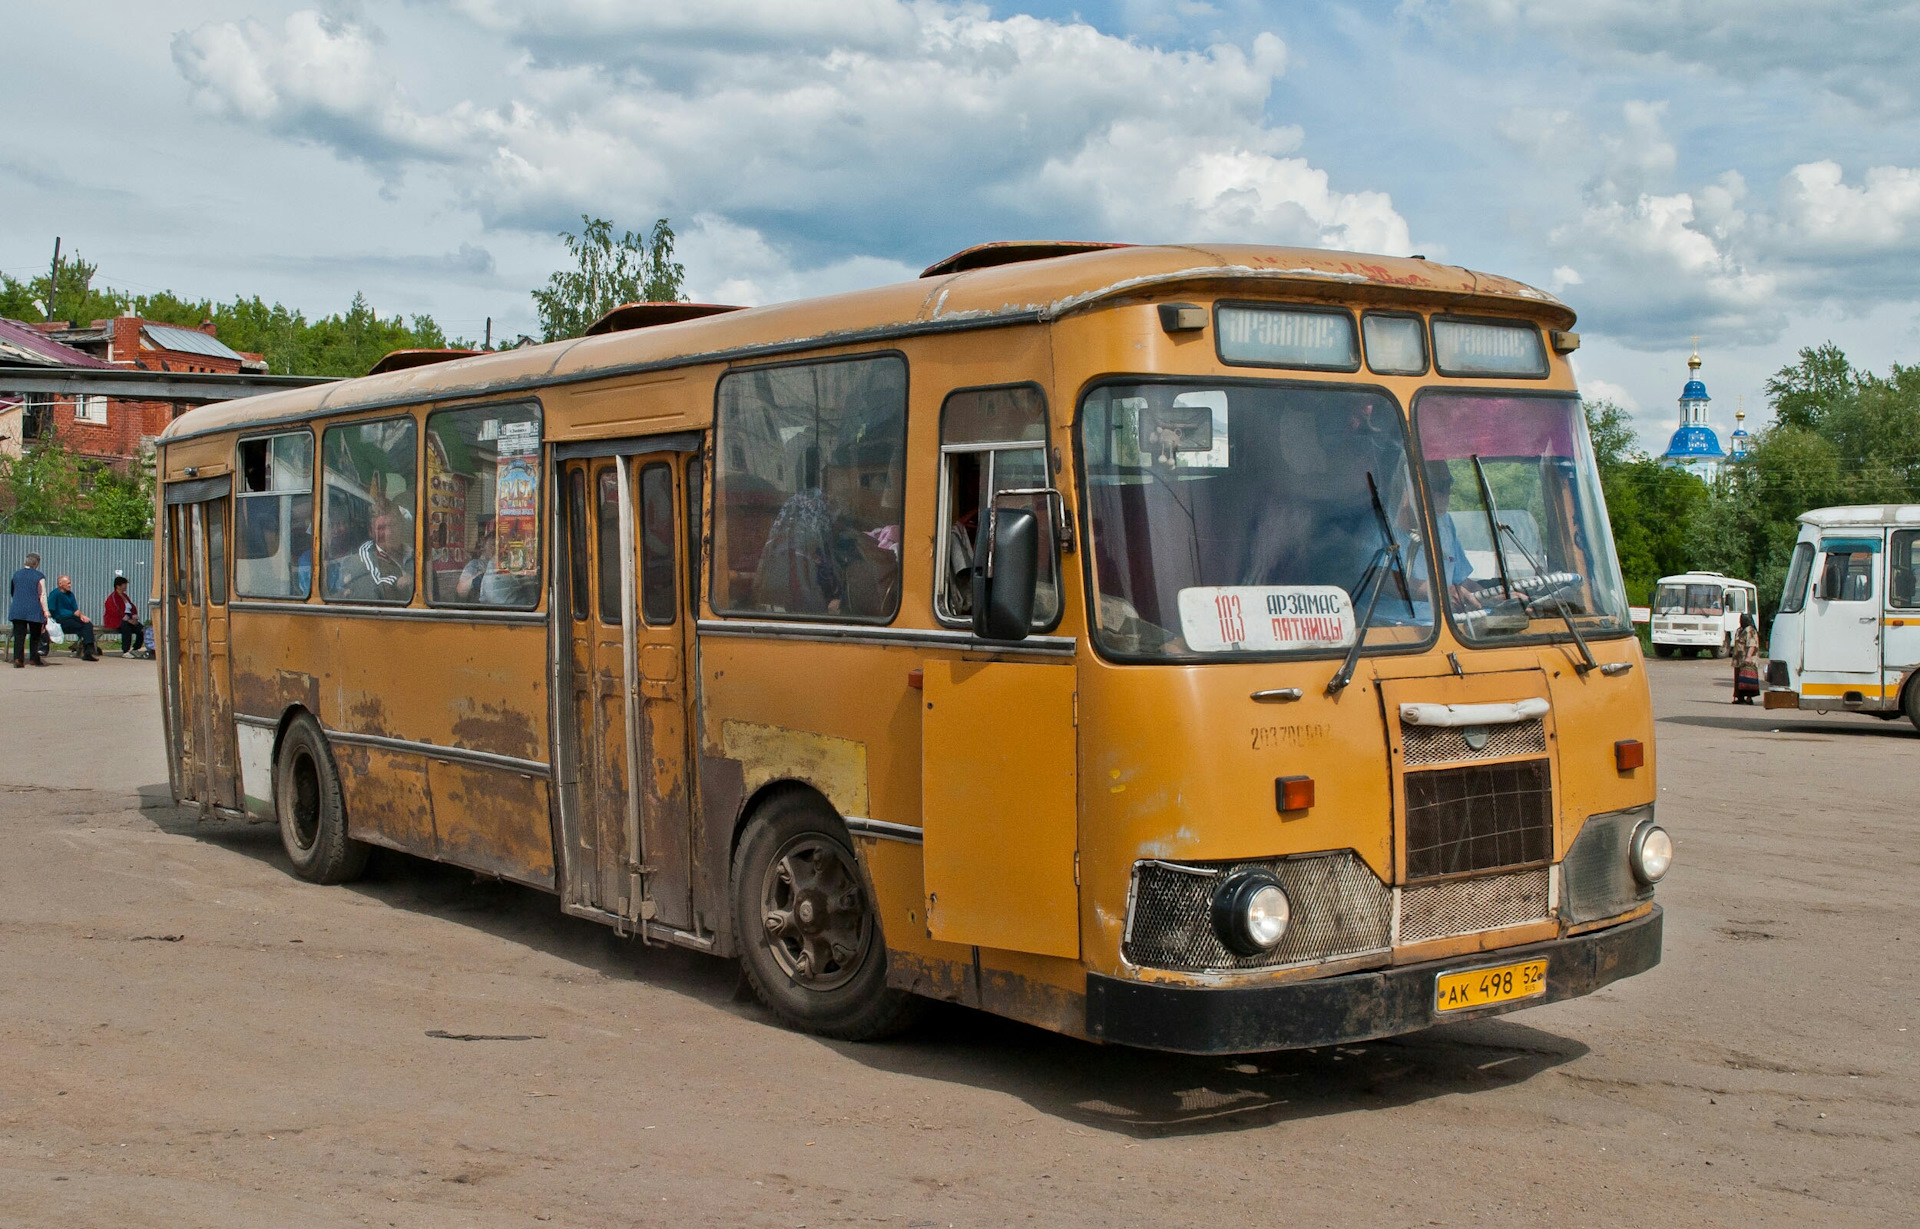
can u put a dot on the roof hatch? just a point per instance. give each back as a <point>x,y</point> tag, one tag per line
<point>646,315</point>
<point>1013,252</point>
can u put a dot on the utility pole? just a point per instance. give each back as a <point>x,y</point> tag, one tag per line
<point>53,277</point>
<point>489,333</point>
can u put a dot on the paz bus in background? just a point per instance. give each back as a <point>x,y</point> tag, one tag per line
<point>1847,634</point>
<point>1204,648</point>
<point>1698,612</point>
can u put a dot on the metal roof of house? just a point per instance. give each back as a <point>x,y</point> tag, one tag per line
<point>188,341</point>
<point>22,345</point>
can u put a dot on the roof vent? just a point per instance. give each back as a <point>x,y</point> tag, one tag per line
<point>1013,252</point>
<point>647,315</point>
<point>400,360</point>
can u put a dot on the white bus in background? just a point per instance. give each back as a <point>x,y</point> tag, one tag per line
<point>1847,635</point>
<point>1698,612</point>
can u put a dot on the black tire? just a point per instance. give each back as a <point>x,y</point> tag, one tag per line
<point>823,968</point>
<point>1911,702</point>
<point>1725,649</point>
<point>1663,650</point>
<point>313,815</point>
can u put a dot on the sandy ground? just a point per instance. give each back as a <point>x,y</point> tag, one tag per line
<point>191,1036</point>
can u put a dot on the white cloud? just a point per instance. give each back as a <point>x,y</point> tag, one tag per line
<point>1825,215</point>
<point>1861,50</point>
<point>875,127</point>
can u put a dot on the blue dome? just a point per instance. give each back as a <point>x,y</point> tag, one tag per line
<point>1695,444</point>
<point>1694,391</point>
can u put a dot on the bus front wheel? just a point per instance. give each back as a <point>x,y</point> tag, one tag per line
<point>313,815</point>
<point>1912,703</point>
<point>1663,650</point>
<point>810,937</point>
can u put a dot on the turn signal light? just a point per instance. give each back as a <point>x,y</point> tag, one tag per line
<point>1628,754</point>
<point>917,679</point>
<point>1293,793</point>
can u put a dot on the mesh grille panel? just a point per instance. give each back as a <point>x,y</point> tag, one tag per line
<point>1479,818</point>
<point>1339,908</point>
<point>1462,906</point>
<point>1432,744</point>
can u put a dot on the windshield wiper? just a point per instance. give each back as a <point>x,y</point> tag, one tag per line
<point>1388,554</point>
<point>1586,661</point>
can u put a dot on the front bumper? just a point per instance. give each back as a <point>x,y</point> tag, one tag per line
<point>1352,1006</point>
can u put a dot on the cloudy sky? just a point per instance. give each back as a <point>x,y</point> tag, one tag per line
<point>1743,170</point>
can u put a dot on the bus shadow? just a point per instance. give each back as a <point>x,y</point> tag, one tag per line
<point>1146,1094</point>
<point>1758,724</point>
<point>1138,1093</point>
<point>515,913</point>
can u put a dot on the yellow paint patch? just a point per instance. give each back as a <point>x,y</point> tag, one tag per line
<point>1873,690</point>
<point>837,767</point>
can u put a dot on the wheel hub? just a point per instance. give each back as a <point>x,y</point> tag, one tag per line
<point>819,928</point>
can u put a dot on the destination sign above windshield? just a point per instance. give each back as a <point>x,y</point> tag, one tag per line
<point>1288,337</point>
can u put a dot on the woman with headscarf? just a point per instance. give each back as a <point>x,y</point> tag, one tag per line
<point>1746,661</point>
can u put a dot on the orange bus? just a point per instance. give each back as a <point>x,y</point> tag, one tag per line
<point>1207,648</point>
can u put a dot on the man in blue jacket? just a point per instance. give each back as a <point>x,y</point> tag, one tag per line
<point>64,608</point>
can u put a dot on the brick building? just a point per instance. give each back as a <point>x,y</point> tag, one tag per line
<point>107,429</point>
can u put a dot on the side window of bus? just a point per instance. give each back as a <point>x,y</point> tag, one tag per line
<point>1902,561</point>
<point>1736,601</point>
<point>483,507</point>
<point>214,516</point>
<point>367,514</point>
<point>991,440</point>
<point>273,517</point>
<point>1847,576</point>
<point>1793,596</point>
<point>809,491</point>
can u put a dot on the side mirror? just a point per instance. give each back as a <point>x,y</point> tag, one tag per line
<point>1006,575</point>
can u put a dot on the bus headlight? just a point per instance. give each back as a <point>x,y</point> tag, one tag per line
<point>1650,853</point>
<point>1250,912</point>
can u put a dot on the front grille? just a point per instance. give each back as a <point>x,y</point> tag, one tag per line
<point>1339,908</point>
<point>1478,818</point>
<point>1463,906</point>
<point>1435,744</point>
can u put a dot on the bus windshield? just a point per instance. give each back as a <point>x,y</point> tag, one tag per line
<point>1518,517</point>
<point>1687,600</point>
<point>1250,518</point>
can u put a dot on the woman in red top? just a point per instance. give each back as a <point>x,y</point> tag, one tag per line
<point>123,616</point>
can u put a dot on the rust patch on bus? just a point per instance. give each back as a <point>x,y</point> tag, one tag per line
<point>388,799</point>
<point>837,767</point>
<point>495,728</point>
<point>493,821</point>
<point>1035,1002</point>
<point>366,715</point>
<point>949,981</point>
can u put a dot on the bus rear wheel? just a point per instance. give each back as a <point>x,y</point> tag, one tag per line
<point>810,936</point>
<point>1912,702</point>
<point>313,814</point>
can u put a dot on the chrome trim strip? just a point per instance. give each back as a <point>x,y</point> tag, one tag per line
<point>453,755</point>
<point>265,723</point>
<point>859,825</point>
<point>431,614</point>
<point>457,396</point>
<point>922,637</point>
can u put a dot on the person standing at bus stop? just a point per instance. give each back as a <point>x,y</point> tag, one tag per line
<point>27,608</point>
<point>1746,661</point>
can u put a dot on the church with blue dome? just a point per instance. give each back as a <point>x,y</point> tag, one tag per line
<point>1695,447</point>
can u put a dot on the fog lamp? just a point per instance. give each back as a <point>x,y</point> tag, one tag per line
<point>1250,912</point>
<point>1651,853</point>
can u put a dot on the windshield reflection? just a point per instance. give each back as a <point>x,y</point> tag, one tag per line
<point>1518,520</point>
<point>1250,517</point>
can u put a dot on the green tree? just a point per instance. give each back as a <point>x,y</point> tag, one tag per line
<point>608,271</point>
<point>1801,393</point>
<point>1649,505</point>
<point>49,490</point>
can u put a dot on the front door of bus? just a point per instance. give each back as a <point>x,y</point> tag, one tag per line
<point>1843,616</point>
<point>197,544</point>
<point>630,836</point>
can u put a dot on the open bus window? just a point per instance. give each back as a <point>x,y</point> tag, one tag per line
<point>991,440</point>
<point>1518,518</point>
<point>811,466</point>
<point>273,517</point>
<point>483,507</point>
<point>367,515</point>
<point>1793,596</point>
<point>1903,566</point>
<point>1272,505</point>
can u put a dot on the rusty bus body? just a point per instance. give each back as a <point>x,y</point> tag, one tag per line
<point>728,692</point>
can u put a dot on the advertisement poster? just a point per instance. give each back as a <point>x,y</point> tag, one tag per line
<point>446,511</point>
<point>517,499</point>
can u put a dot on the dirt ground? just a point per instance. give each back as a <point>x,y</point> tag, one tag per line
<point>191,1036</point>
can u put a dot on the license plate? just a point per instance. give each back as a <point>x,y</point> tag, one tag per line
<point>1500,984</point>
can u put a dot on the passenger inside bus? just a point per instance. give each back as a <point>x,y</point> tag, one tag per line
<point>381,570</point>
